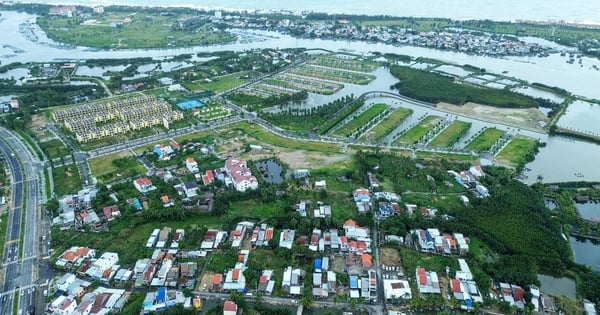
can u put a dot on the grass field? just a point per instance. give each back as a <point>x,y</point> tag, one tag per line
<point>485,140</point>
<point>388,124</point>
<point>218,84</point>
<point>115,166</point>
<point>54,148</point>
<point>360,120</point>
<point>426,155</point>
<point>518,151</point>
<point>263,135</point>
<point>333,74</point>
<point>451,134</point>
<point>346,64</point>
<point>415,133</point>
<point>66,180</point>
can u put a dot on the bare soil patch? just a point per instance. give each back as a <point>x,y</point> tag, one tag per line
<point>390,257</point>
<point>525,118</point>
<point>207,278</point>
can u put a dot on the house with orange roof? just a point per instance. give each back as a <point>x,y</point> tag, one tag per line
<point>166,201</point>
<point>75,256</point>
<point>191,165</point>
<point>366,261</point>
<point>217,282</point>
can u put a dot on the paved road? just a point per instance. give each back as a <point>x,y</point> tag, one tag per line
<point>20,272</point>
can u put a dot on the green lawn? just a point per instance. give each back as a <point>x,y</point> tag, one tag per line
<point>218,84</point>
<point>66,180</point>
<point>414,134</point>
<point>518,151</point>
<point>485,140</point>
<point>115,166</point>
<point>346,64</point>
<point>448,156</point>
<point>54,148</point>
<point>360,120</point>
<point>263,135</point>
<point>388,124</point>
<point>449,136</point>
<point>255,209</point>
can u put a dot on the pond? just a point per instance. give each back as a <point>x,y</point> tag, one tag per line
<point>271,171</point>
<point>557,286</point>
<point>589,210</point>
<point>586,252</point>
<point>582,117</point>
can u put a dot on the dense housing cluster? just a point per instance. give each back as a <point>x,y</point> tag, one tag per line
<point>106,119</point>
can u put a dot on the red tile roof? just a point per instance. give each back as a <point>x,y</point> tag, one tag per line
<point>217,279</point>
<point>229,306</point>
<point>350,222</point>
<point>236,274</point>
<point>263,279</point>
<point>456,286</point>
<point>423,279</point>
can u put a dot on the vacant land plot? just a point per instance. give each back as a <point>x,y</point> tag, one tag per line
<point>347,64</point>
<point>260,134</point>
<point>485,140</point>
<point>388,124</point>
<point>362,119</point>
<point>526,118</point>
<point>390,257</point>
<point>218,84</point>
<point>451,134</point>
<point>334,74</point>
<point>115,166</point>
<point>67,180</point>
<point>517,152</point>
<point>414,134</point>
<point>54,148</point>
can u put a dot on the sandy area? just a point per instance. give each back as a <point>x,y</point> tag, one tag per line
<point>525,118</point>
<point>295,159</point>
<point>390,257</point>
<point>207,278</point>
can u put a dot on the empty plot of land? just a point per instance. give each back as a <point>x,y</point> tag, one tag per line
<point>388,124</point>
<point>297,82</point>
<point>414,134</point>
<point>516,151</point>
<point>345,63</point>
<point>115,166</point>
<point>360,120</point>
<point>333,74</point>
<point>451,134</point>
<point>485,140</point>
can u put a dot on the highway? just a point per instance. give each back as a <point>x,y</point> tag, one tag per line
<point>20,272</point>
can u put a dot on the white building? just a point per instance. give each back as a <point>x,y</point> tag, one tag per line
<point>191,165</point>
<point>240,174</point>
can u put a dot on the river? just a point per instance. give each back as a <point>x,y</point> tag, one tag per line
<point>507,10</point>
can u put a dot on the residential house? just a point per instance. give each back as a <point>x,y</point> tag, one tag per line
<point>373,181</point>
<point>238,235</point>
<point>240,175</point>
<point>356,232</point>
<point>144,185</point>
<point>110,213</point>
<point>106,262</point>
<point>324,211</point>
<point>191,189</point>
<point>265,283</point>
<point>164,152</point>
<point>361,195</point>
<point>394,289</point>
<point>166,201</point>
<point>230,308</point>
<point>177,237</point>
<point>208,177</point>
<point>191,165</point>
<point>320,184</point>
<point>427,282</point>
<point>286,238</point>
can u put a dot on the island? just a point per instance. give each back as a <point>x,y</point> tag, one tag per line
<point>293,179</point>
